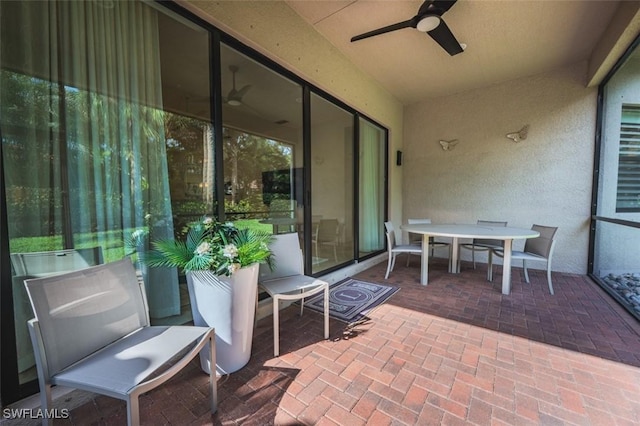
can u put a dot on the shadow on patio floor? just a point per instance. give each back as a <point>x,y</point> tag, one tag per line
<point>454,352</point>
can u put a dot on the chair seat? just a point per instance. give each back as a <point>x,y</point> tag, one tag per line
<point>407,248</point>
<point>290,284</point>
<point>438,244</point>
<point>520,255</point>
<point>118,368</point>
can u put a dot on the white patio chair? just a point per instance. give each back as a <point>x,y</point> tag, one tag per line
<point>92,332</point>
<point>479,244</point>
<point>327,234</point>
<point>394,249</point>
<point>288,282</point>
<point>538,249</point>
<point>417,239</point>
<point>36,265</point>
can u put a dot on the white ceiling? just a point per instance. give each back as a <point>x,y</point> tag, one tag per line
<point>505,40</point>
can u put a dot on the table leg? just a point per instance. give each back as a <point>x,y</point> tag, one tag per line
<point>453,259</point>
<point>424,259</point>
<point>506,267</point>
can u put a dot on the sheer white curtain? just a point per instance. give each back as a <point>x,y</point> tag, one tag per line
<point>371,188</point>
<point>91,127</point>
<point>115,120</point>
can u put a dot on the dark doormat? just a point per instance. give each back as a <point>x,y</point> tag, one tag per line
<point>350,300</point>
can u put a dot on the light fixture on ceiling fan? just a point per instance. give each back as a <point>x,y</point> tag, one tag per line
<point>234,98</point>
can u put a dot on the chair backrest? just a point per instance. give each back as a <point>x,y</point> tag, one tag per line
<point>38,264</point>
<point>107,298</point>
<point>391,235</point>
<point>491,223</point>
<point>416,238</point>
<point>543,245</point>
<point>287,258</point>
<point>327,230</point>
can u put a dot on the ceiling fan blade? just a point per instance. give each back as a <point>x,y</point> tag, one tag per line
<point>244,90</point>
<point>387,29</point>
<point>439,6</point>
<point>445,38</point>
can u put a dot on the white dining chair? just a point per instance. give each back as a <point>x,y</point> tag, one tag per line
<point>480,244</point>
<point>417,239</point>
<point>394,249</point>
<point>327,234</point>
<point>538,249</point>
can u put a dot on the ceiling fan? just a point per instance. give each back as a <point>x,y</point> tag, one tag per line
<point>428,20</point>
<point>234,98</point>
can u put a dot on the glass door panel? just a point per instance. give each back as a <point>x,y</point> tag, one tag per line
<point>332,184</point>
<point>85,140</point>
<point>262,146</point>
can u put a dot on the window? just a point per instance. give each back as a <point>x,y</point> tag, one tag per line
<point>613,256</point>
<point>628,189</point>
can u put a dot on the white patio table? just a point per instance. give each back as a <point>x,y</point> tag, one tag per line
<point>457,231</point>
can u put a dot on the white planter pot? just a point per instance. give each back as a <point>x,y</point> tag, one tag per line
<point>228,304</point>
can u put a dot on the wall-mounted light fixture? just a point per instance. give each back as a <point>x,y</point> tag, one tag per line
<point>448,145</point>
<point>520,135</point>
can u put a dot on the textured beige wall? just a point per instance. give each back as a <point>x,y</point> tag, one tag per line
<point>275,30</point>
<point>545,179</point>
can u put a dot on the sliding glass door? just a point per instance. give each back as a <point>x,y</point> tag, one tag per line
<point>123,121</point>
<point>97,126</point>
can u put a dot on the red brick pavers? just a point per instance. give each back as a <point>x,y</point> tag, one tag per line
<point>454,352</point>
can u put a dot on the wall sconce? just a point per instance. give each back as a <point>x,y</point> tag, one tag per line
<point>398,158</point>
<point>448,145</point>
<point>520,135</point>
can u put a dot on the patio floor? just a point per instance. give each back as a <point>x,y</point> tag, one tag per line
<point>454,352</point>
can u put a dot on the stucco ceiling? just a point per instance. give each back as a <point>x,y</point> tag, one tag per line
<point>505,40</point>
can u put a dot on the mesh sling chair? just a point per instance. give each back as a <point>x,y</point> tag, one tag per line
<point>394,249</point>
<point>479,244</point>
<point>417,239</point>
<point>38,265</point>
<point>326,234</point>
<point>92,332</point>
<point>288,282</point>
<point>538,249</point>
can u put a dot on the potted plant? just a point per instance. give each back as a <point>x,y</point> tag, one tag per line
<point>221,264</point>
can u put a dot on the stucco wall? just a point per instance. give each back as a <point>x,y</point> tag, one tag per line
<point>545,179</point>
<point>275,30</point>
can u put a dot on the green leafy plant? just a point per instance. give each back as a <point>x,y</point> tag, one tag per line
<point>215,246</point>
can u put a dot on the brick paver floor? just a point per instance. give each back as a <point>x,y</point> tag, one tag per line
<point>454,352</point>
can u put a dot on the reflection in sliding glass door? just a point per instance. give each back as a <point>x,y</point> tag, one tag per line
<point>332,184</point>
<point>262,145</point>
